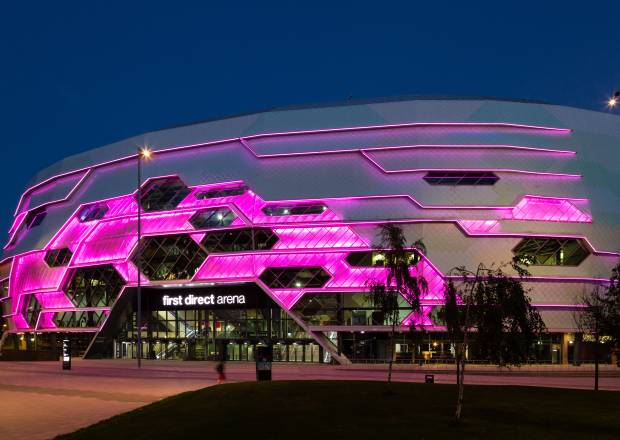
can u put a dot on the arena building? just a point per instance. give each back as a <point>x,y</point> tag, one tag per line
<point>259,229</point>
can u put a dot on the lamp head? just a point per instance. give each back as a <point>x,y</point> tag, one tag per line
<point>145,153</point>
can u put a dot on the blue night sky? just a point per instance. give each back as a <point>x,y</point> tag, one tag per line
<point>77,75</point>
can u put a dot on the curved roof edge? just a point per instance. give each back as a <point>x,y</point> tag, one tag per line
<point>365,112</point>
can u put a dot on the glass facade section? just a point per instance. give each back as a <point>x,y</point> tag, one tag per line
<point>461,178</point>
<point>58,257</point>
<point>81,319</point>
<point>95,286</point>
<point>212,218</point>
<point>303,209</point>
<point>238,240</point>
<point>35,217</point>
<point>221,192</point>
<point>31,310</point>
<point>169,257</point>
<point>551,251</point>
<point>96,211</point>
<point>163,194</point>
<point>376,258</point>
<point>342,309</point>
<point>294,277</point>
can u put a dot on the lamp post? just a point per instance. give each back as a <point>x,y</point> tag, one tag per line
<point>614,100</point>
<point>143,153</point>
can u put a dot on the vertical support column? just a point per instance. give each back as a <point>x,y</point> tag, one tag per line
<point>566,337</point>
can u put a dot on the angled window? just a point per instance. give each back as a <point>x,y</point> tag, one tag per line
<point>551,251</point>
<point>31,310</point>
<point>376,258</point>
<point>80,319</point>
<point>288,209</point>
<point>169,257</point>
<point>294,277</point>
<point>58,257</point>
<point>96,211</point>
<point>163,194</point>
<point>221,192</point>
<point>461,178</point>
<point>238,240</point>
<point>35,217</point>
<point>94,286</point>
<point>212,218</point>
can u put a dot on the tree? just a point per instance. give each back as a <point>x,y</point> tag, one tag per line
<point>601,316</point>
<point>384,294</point>
<point>497,308</point>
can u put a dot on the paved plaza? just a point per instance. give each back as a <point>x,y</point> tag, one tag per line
<point>39,400</point>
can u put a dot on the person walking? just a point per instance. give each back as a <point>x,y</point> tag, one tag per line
<point>221,376</point>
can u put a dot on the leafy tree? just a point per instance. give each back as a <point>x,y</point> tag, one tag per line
<point>601,316</point>
<point>497,308</point>
<point>384,294</point>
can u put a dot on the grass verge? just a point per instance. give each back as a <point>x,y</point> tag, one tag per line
<point>366,410</point>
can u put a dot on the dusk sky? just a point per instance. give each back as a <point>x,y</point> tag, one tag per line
<point>77,75</point>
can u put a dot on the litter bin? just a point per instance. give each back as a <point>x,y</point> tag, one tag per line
<point>429,378</point>
<point>264,358</point>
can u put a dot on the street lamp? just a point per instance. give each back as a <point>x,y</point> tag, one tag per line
<point>143,153</point>
<point>614,100</point>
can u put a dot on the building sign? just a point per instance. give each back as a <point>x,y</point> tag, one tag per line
<point>226,296</point>
<point>66,354</point>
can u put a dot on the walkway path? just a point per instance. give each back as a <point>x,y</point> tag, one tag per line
<point>39,400</point>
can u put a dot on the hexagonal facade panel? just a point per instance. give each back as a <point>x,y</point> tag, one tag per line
<point>550,251</point>
<point>212,218</point>
<point>58,257</point>
<point>238,240</point>
<point>294,277</point>
<point>169,257</point>
<point>94,286</point>
<point>163,194</point>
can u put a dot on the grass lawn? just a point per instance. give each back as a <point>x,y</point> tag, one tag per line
<point>366,410</point>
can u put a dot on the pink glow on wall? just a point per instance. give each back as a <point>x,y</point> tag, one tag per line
<point>479,226</point>
<point>53,300</point>
<point>30,273</point>
<point>317,238</point>
<point>112,240</point>
<point>226,267</point>
<point>421,319</point>
<point>549,209</point>
<point>71,234</point>
<point>287,298</point>
<point>129,272</point>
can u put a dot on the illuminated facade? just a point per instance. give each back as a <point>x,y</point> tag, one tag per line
<point>274,214</point>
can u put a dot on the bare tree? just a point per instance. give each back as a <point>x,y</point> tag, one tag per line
<point>494,306</point>
<point>384,294</point>
<point>601,316</point>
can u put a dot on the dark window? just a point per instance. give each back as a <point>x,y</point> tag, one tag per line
<point>94,286</point>
<point>461,178</point>
<point>169,257</point>
<point>304,209</point>
<point>551,251</point>
<point>4,288</point>
<point>35,217</point>
<point>221,192</point>
<point>163,194</point>
<point>238,240</point>
<point>31,310</point>
<point>92,212</point>
<point>212,218</point>
<point>80,319</point>
<point>58,257</point>
<point>376,258</point>
<point>294,277</point>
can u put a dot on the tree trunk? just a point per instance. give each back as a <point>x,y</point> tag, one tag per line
<point>596,341</point>
<point>460,383</point>
<point>392,349</point>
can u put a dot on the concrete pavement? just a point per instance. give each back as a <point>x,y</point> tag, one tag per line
<point>39,400</point>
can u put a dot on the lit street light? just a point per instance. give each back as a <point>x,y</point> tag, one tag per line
<point>143,153</point>
<point>614,100</point>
